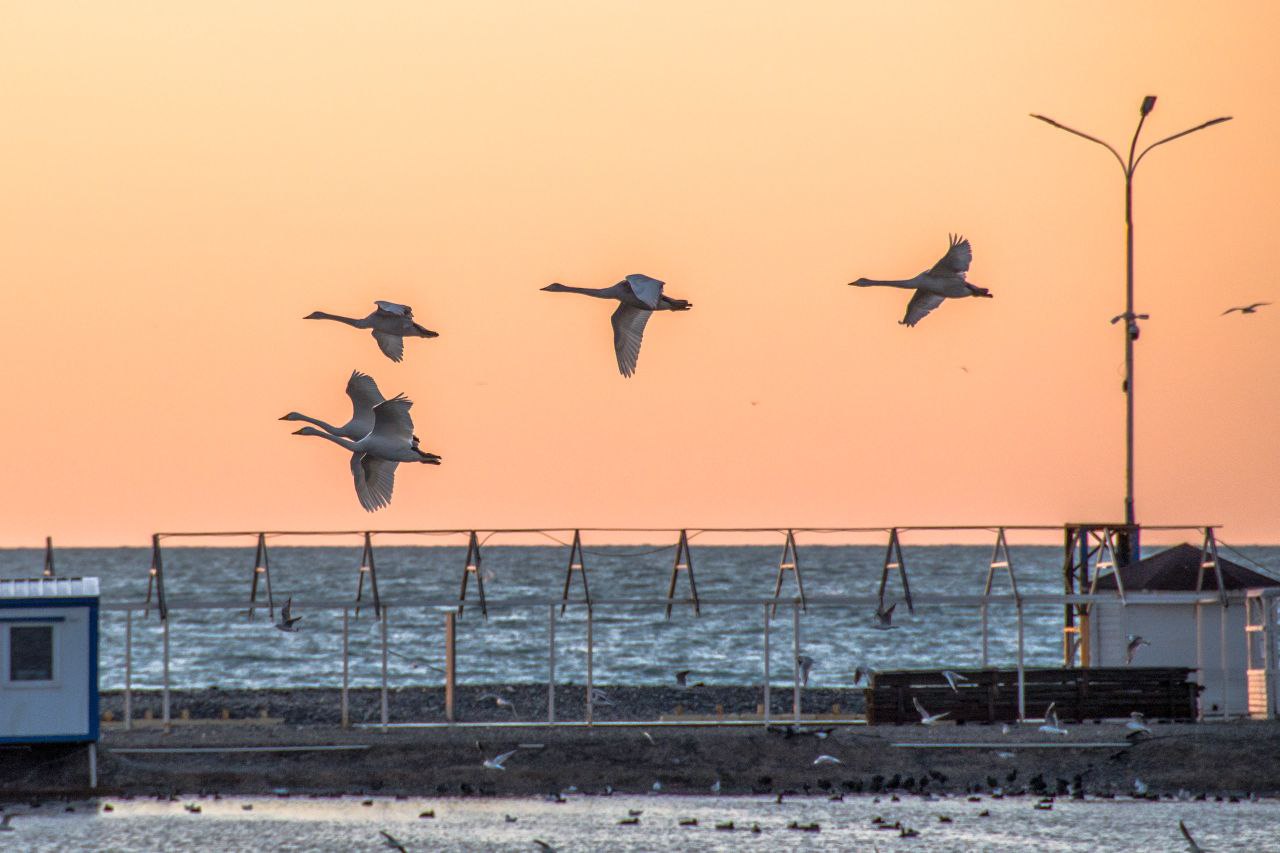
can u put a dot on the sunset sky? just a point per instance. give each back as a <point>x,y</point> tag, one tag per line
<point>181,183</point>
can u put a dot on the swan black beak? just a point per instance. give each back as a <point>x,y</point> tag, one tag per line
<point>297,431</point>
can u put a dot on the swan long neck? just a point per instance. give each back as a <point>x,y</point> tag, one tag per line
<point>909,283</point>
<point>341,442</point>
<point>359,323</point>
<point>329,428</point>
<point>598,292</point>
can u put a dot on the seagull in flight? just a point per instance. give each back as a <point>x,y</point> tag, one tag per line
<point>501,702</point>
<point>944,280</point>
<point>1051,724</point>
<point>804,663</point>
<point>497,762</point>
<point>952,677</point>
<point>827,759</point>
<point>1192,847</point>
<point>1135,642</point>
<point>884,618</point>
<point>391,324</point>
<point>860,673</point>
<point>925,717</point>
<point>287,622</point>
<point>682,680</point>
<point>1245,309</point>
<point>392,842</point>
<point>639,296</point>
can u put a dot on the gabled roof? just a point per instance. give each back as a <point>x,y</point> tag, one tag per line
<point>1176,570</point>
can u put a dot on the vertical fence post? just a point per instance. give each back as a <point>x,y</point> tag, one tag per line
<point>767,618</point>
<point>450,663</point>
<point>164,629</point>
<point>983,609</point>
<point>795,658</point>
<point>1222,647</point>
<point>382,630</point>
<point>128,670</point>
<point>1022,679</point>
<point>590,673</point>
<point>93,765</point>
<point>1200,679</point>
<point>551,665</point>
<point>346,667</point>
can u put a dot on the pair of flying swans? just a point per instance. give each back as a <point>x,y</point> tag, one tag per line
<point>391,324</point>
<point>944,280</point>
<point>638,296</point>
<point>379,436</point>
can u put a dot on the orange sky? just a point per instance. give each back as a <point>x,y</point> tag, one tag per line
<point>181,183</point>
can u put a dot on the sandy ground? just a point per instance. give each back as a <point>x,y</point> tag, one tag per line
<point>1213,759</point>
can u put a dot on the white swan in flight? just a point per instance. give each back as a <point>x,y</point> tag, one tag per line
<point>364,395</point>
<point>375,456</point>
<point>933,286</point>
<point>639,296</point>
<point>391,324</point>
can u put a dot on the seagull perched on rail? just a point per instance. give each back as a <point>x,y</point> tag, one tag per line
<point>1245,309</point>
<point>391,324</point>
<point>639,296</point>
<point>944,280</point>
<point>926,718</point>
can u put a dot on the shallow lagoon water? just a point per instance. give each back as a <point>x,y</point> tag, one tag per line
<point>591,823</point>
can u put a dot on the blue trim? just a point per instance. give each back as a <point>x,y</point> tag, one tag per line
<point>94,733</point>
<point>48,602</point>
<point>48,739</point>
<point>33,619</point>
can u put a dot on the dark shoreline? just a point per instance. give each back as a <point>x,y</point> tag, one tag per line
<point>1206,759</point>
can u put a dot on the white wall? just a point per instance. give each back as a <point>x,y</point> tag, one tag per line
<point>59,707</point>
<point>1171,630</point>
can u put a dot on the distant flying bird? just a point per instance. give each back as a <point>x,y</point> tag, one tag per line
<point>391,324</point>
<point>287,622</point>
<point>364,395</point>
<point>1192,847</point>
<point>827,759</point>
<point>682,680</point>
<point>1135,642</point>
<point>374,458</point>
<point>639,296</point>
<point>497,762</point>
<point>952,678</point>
<point>501,702</point>
<point>804,663</point>
<point>1245,309</point>
<point>391,841</point>
<point>945,280</point>
<point>925,717</point>
<point>1051,724</point>
<point>884,618</point>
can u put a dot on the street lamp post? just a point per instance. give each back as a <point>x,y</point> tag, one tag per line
<point>1129,547</point>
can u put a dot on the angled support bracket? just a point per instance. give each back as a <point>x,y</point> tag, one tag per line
<point>261,571</point>
<point>368,567</point>
<point>473,568</point>
<point>683,563</point>
<point>576,564</point>
<point>1000,559</point>
<point>1209,560</point>
<point>155,580</point>
<point>1106,559</point>
<point>893,561</point>
<point>789,562</point>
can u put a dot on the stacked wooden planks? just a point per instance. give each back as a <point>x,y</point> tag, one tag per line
<point>991,695</point>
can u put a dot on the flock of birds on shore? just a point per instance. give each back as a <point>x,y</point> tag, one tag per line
<point>380,433</point>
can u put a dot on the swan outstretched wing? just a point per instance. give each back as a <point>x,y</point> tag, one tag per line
<point>920,305</point>
<point>391,420</point>
<point>364,395</point>
<point>374,479</point>
<point>647,290</point>
<point>628,332</point>
<point>955,263</point>
<point>394,308</point>
<point>392,346</point>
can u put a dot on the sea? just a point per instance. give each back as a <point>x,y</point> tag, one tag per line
<point>632,644</point>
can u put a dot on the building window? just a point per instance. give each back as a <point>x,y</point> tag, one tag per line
<point>31,653</point>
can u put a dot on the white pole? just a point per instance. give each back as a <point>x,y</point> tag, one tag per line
<point>1200,660</point>
<point>383,632</point>
<point>164,623</point>
<point>1022,680</point>
<point>346,667</point>
<point>93,765</point>
<point>1222,642</point>
<point>551,664</point>
<point>795,651</point>
<point>128,670</point>
<point>590,678</point>
<point>766,665</point>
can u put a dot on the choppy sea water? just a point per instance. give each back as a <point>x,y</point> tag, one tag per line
<point>592,823</point>
<point>632,644</point>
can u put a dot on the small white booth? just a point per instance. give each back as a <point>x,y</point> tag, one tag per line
<point>1182,626</point>
<point>49,661</point>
